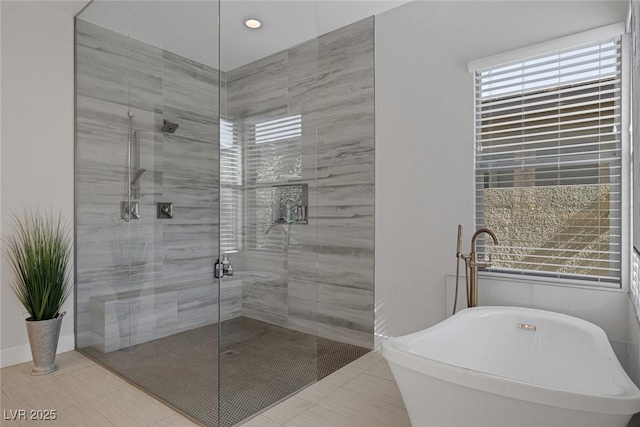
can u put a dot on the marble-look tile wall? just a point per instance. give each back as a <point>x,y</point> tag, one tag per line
<point>327,286</point>
<point>145,256</point>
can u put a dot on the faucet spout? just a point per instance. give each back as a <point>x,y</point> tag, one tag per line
<point>473,264</point>
<point>478,233</point>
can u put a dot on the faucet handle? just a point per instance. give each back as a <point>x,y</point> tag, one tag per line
<point>165,210</point>
<point>484,264</point>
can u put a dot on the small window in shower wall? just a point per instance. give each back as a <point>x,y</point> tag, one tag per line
<point>230,188</point>
<point>548,162</point>
<point>278,129</point>
<point>273,188</point>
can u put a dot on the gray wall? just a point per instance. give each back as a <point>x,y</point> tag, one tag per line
<point>36,142</point>
<point>330,82</point>
<point>137,259</point>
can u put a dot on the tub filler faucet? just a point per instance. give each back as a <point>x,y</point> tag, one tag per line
<point>471,265</point>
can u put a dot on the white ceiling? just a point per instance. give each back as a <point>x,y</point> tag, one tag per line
<point>188,28</point>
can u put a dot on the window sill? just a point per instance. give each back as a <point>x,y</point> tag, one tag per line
<point>547,281</point>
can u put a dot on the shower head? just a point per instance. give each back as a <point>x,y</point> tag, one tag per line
<point>136,177</point>
<point>168,127</point>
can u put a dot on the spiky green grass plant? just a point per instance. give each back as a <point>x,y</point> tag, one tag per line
<point>39,252</point>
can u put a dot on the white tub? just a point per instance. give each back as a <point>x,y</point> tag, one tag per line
<point>479,368</point>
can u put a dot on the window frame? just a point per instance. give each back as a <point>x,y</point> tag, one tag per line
<point>250,185</point>
<point>592,36</point>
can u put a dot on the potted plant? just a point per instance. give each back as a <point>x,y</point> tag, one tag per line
<point>39,252</point>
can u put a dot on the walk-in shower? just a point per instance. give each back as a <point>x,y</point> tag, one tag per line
<point>224,199</point>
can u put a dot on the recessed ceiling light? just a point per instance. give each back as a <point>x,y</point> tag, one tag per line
<point>253,23</point>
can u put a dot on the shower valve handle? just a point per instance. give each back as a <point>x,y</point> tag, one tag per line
<point>165,210</point>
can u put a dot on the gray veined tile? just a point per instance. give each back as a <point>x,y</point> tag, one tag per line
<point>111,71</point>
<point>345,270</point>
<point>345,318</point>
<point>190,86</point>
<point>360,83</point>
<point>347,49</point>
<point>356,240</point>
<point>194,126</point>
<point>258,89</point>
<point>346,195</point>
<point>153,317</point>
<point>343,297</point>
<point>197,306</point>
<point>345,335</point>
<point>277,60</point>
<point>329,81</point>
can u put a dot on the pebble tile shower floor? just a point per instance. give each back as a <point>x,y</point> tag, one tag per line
<point>260,364</point>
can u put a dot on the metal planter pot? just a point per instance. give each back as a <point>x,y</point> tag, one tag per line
<point>43,338</point>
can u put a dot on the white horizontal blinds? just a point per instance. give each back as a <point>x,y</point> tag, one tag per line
<point>273,157</point>
<point>230,187</point>
<point>289,127</point>
<point>548,162</point>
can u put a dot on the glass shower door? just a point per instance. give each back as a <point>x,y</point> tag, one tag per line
<point>147,196</point>
<point>268,214</point>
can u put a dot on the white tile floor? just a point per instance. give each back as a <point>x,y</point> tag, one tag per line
<point>83,394</point>
<point>361,394</point>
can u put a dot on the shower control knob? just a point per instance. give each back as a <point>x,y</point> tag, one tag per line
<point>165,210</point>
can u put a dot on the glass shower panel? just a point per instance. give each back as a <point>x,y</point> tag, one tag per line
<point>103,135</point>
<point>268,216</point>
<point>224,191</point>
<point>147,196</point>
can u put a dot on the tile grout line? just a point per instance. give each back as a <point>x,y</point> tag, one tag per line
<point>9,399</point>
<point>60,384</point>
<point>98,412</point>
<point>375,398</point>
<point>322,409</point>
<point>357,392</point>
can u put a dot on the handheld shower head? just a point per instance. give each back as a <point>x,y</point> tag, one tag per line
<point>168,127</point>
<point>136,177</point>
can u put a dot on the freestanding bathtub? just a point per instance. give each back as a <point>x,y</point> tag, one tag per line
<point>511,367</point>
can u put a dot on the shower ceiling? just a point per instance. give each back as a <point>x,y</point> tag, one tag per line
<point>181,26</point>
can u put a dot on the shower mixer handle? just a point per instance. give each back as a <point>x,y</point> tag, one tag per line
<point>129,210</point>
<point>165,210</point>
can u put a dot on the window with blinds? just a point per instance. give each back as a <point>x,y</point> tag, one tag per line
<point>548,163</point>
<point>230,188</point>
<point>273,151</point>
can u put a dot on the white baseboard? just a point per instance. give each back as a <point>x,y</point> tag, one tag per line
<point>22,353</point>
